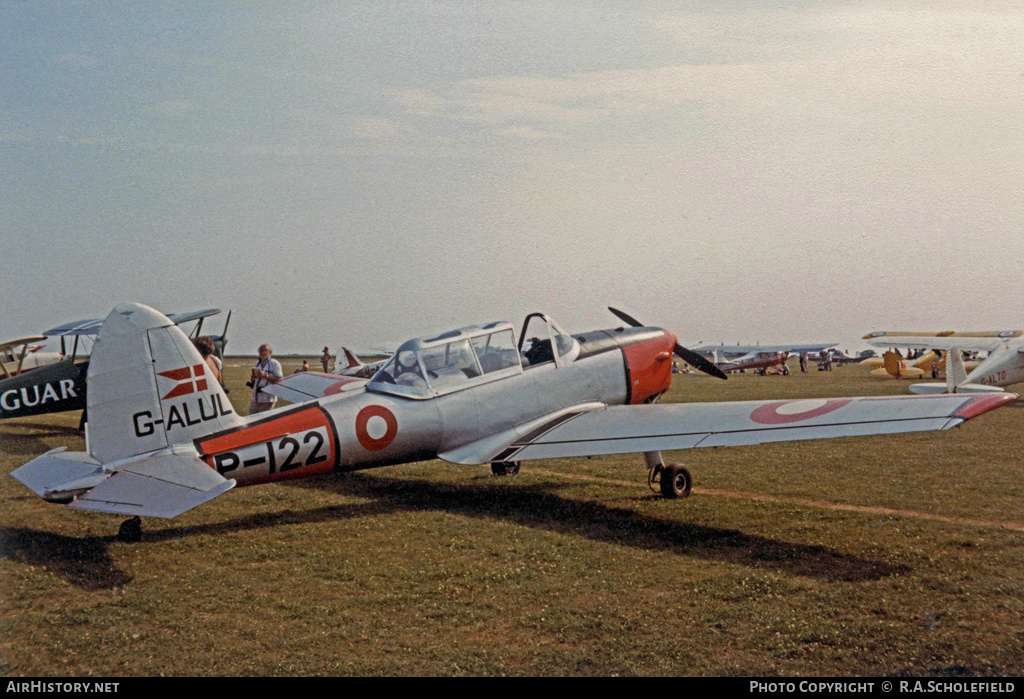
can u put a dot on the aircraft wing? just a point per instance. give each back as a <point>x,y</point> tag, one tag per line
<point>971,342</point>
<point>21,341</point>
<point>179,318</point>
<point>754,349</point>
<point>78,327</point>
<point>92,325</point>
<point>310,385</point>
<point>596,430</point>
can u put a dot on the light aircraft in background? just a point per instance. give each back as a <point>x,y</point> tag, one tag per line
<point>839,357</point>
<point>730,359</point>
<point>732,351</point>
<point>733,358</point>
<point>21,355</point>
<point>60,386</point>
<point>163,438</point>
<point>897,367</point>
<point>751,360</point>
<point>347,363</point>
<point>1003,367</point>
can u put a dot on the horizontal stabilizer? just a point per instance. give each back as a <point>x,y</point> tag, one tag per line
<point>44,475</point>
<point>924,389</point>
<point>164,485</point>
<point>310,385</point>
<point>159,485</point>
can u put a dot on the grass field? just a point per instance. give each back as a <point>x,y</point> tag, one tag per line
<point>866,556</point>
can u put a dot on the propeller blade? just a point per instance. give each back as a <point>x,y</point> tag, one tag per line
<point>698,361</point>
<point>629,320</point>
<point>692,358</point>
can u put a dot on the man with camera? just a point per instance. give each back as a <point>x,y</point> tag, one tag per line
<point>266,372</point>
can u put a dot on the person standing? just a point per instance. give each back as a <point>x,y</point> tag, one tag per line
<point>325,359</point>
<point>266,371</point>
<point>204,344</point>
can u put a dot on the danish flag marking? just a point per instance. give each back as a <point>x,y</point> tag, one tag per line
<point>189,380</point>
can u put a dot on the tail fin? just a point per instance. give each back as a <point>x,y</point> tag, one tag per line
<point>149,395</point>
<point>956,373</point>
<point>352,362</point>
<point>893,363</point>
<point>149,388</point>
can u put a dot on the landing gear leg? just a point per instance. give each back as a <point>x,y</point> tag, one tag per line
<point>130,531</point>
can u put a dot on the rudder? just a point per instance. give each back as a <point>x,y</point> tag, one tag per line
<point>149,388</point>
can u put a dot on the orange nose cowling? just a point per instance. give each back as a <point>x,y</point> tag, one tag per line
<point>649,366</point>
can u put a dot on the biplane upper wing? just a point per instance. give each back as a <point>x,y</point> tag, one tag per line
<point>92,325</point>
<point>21,342</point>
<point>179,318</point>
<point>591,430</point>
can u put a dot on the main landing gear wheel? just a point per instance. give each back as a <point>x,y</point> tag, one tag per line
<point>130,531</point>
<point>675,480</point>
<point>504,468</point>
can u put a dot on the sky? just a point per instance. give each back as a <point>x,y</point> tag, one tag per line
<point>367,172</point>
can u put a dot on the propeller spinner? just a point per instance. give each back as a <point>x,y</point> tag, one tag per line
<point>695,360</point>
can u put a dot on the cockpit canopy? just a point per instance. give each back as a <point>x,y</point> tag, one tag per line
<point>424,368</point>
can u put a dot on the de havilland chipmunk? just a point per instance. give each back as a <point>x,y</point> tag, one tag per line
<point>163,438</point>
<point>1003,367</point>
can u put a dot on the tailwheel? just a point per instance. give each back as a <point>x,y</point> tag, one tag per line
<point>675,481</point>
<point>130,531</point>
<point>504,468</point>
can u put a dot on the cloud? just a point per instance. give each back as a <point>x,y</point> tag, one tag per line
<point>379,128</point>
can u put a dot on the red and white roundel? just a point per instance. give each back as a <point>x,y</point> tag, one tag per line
<point>785,411</point>
<point>376,427</point>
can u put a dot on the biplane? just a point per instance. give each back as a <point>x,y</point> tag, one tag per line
<point>21,355</point>
<point>59,385</point>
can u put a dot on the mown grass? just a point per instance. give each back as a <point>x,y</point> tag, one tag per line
<point>572,567</point>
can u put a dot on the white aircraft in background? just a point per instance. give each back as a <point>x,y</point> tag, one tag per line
<point>347,363</point>
<point>1003,367</point>
<point>733,358</point>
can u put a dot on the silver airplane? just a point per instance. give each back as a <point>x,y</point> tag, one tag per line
<point>163,438</point>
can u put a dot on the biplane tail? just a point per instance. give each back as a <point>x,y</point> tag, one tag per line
<point>149,396</point>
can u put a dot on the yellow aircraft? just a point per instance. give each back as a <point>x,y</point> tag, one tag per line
<point>905,369</point>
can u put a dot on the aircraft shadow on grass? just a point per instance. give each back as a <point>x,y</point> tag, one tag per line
<point>86,562</point>
<point>538,507</point>
<point>28,438</point>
